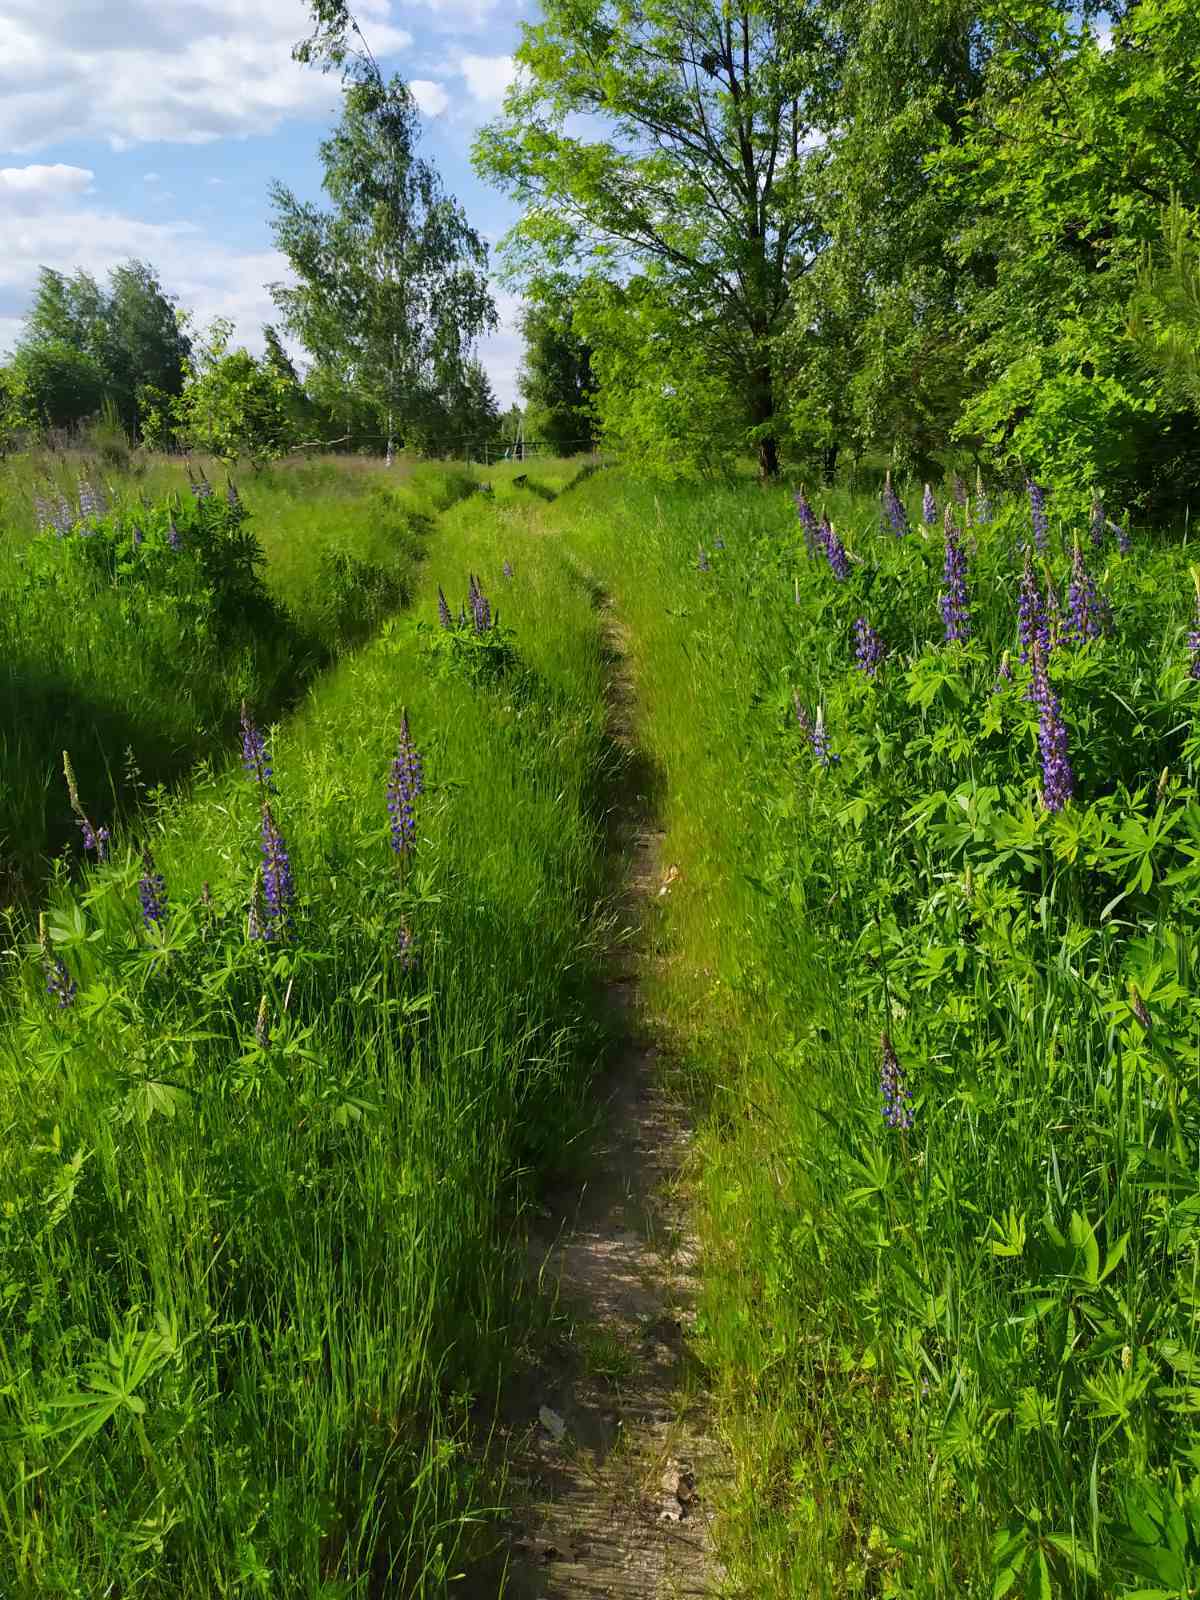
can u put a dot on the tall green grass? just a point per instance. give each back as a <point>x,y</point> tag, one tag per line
<point>259,1247</point>
<point>958,1360</point>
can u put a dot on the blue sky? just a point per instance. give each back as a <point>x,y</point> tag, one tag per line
<point>152,128</point>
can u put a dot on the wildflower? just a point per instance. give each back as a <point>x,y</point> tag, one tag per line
<point>173,535</point>
<point>702,559</point>
<point>63,520</point>
<point>138,536</point>
<point>256,758</point>
<point>820,741</point>
<point>506,569</point>
<point>839,561</point>
<point>43,512</point>
<point>808,521</point>
<point>1004,675</point>
<point>277,887</point>
<point>481,611</point>
<point>1138,1006</point>
<point>869,648</point>
<point>59,984</point>
<point>983,504</point>
<point>958,484</point>
<point>893,507</point>
<point>954,602</point>
<point>200,487</point>
<point>405,783</point>
<point>1084,604</point>
<point>407,951</point>
<point>1124,543</point>
<point>897,1098</point>
<point>232,498</point>
<point>96,839</point>
<point>1058,780</point>
<point>92,500</point>
<point>444,617</point>
<point>262,1026</point>
<point>257,926</point>
<point>1194,635</point>
<point>718,543</point>
<point>929,508</point>
<point>1098,522</point>
<point>1031,613</point>
<point>802,716</point>
<point>1037,511</point>
<point>152,891</point>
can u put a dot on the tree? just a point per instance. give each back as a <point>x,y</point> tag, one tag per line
<point>233,406</point>
<point>556,375</point>
<point>53,385</point>
<point>703,176</point>
<point>130,332</point>
<point>391,287</point>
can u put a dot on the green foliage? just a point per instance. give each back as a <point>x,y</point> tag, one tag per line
<point>1165,315</point>
<point>556,374</point>
<point>232,406</point>
<point>52,385</point>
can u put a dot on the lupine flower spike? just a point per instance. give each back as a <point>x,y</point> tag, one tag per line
<point>869,649</point>
<point>444,617</point>
<point>839,561</point>
<point>959,486</point>
<point>1194,635</point>
<point>406,782</point>
<point>808,521</point>
<point>152,891</point>
<point>897,1099</point>
<point>277,886</point>
<point>1037,512</point>
<point>138,536</point>
<point>702,559</point>
<point>232,498</point>
<point>1004,675</point>
<point>893,507</point>
<point>507,569</point>
<point>954,604</point>
<point>481,611</point>
<point>1058,778</point>
<point>1084,605</point>
<point>1124,543</point>
<point>1031,613</point>
<point>262,1026</point>
<point>256,758</point>
<point>94,839</point>
<point>407,953</point>
<point>59,984</point>
<point>256,911</point>
<point>173,535</point>
<point>929,507</point>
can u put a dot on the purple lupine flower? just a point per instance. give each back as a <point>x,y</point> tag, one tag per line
<point>718,543</point>
<point>897,1099</point>
<point>959,488</point>
<point>1004,675</point>
<point>954,603</point>
<point>1058,779</point>
<point>94,839</point>
<point>808,521</point>
<point>1194,635</point>
<point>200,487</point>
<point>869,648</point>
<point>256,758</point>
<point>232,498</point>
<point>406,782</point>
<point>408,954</point>
<point>839,561</point>
<point>278,889</point>
<point>1037,512</point>
<point>507,569</point>
<point>929,507</point>
<point>802,716</point>
<point>59,984</point>
<point>138,536</point>
<point>814,733</point>
<point>64,521</point>
<point>983,504</point>
<point>92,500</point>
<point>1084,605</point>
<point>702,560</point>
<point>481,611</point>
<point>152,892</point>
<point>893,507</point>
<point>1124,542</point>
<point>1031,613</point>
<point>444,617</point>
<point>43,513</point>
<point>1098,522</point>
<point>174,538</point>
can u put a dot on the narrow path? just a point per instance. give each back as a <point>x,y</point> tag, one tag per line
<point>612,1473</point>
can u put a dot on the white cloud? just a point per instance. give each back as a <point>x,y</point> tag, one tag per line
<point>488,77</point>
<point>132,71</point>
<point>501,351</point>
<point>25,190</point>
<point>431,97</point>
<point>208,277</point>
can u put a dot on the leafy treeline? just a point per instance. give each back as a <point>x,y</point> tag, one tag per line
<point>872,226</point>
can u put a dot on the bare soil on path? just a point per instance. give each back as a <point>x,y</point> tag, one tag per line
<point>612,1471</point>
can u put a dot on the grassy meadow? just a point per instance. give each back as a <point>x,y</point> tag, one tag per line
<point>277,1093</point>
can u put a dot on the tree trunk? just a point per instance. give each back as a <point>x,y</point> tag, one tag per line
<point>829,465</point>
<point>768,459</point>
<point>762,414</point>
<point>391,441</point>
